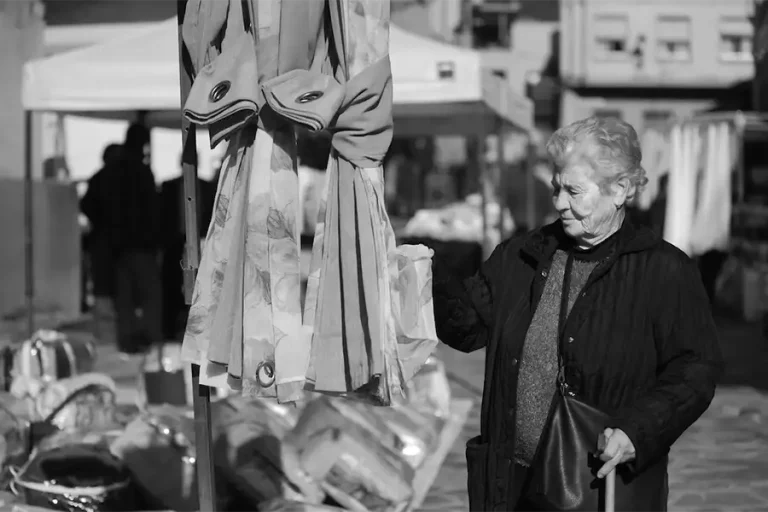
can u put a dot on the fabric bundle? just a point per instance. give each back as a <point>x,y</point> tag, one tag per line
<point>262,70</point>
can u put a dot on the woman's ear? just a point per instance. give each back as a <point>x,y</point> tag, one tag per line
<point>622,190</point>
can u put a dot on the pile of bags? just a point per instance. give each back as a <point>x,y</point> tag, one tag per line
<point>66,445</point>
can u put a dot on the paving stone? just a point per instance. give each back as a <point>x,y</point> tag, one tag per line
<point>733,499</point>
<point>687,500</point>
<point>730,411</point>
<point>761,493</point>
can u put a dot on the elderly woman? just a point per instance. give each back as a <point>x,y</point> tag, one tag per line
<point>638,338</point>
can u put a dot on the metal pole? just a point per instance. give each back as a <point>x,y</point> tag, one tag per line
<point>206,490</point>
<point>29,228</point>
<point>502,182</point>
<point>484,180</point>
<point>530,185</point>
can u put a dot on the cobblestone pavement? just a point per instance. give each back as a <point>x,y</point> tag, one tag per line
<point>719,464</point>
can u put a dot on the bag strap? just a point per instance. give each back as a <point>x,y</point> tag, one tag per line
<point>562,385</point>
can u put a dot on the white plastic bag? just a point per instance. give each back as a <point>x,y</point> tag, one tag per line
<point>410,269</point>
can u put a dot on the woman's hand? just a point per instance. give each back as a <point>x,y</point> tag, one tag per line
<point>613,447</point>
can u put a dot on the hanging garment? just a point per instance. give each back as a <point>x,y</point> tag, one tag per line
<point>323,65</point>
<point>656,151</point>
<point>711,227</point>
<point>681,187</point>
<point>698,212</point>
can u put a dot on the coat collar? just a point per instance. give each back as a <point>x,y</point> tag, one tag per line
<point>542,243</point>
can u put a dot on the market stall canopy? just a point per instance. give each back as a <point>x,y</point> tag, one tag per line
<point>438,88</point>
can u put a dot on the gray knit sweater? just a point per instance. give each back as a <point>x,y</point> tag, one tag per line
<point>538,363</point>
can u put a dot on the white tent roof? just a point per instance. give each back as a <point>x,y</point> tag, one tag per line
<point>438,88</point>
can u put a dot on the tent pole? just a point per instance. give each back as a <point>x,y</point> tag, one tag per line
<point>201,394</point>
<point>483,178</point>
<point>501,192</point>
<point>530,184</point>
<point>29,229</point>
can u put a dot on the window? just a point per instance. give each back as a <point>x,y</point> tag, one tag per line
<point>607,114</point>
<point>735,39</point>
<point>673,38</point>
<point>611,31</point>
<point>490,28</point>
<point>656,117</point>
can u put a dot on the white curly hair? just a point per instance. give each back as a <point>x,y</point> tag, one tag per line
<point>611,146</point>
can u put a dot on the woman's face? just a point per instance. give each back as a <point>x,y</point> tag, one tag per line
<point>589,212</point>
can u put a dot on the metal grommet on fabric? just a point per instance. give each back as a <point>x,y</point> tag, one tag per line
<point>265,374</point>
<point>220,90</point>
<point>309,96</point>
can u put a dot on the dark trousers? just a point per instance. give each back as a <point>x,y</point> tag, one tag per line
<point>138,300</point>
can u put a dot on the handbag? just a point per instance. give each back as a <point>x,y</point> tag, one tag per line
<point>563,473</point>
<point>51,355</point>
<point>76,478</point>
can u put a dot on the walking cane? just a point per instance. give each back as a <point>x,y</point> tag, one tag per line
<point>610,491</point>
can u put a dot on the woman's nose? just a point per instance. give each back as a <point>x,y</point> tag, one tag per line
<point>559,201</point>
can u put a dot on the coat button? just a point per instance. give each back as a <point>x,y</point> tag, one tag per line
<point>220,90</point>
<point>544,273</point>
<point>265,374</point>
<point>570,340</point>
<point>514,361</point>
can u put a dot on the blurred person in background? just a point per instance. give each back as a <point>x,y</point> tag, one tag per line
<point>591,301</point>
<point>100,266</point>
<point>174,236</point>
<point>127,200</point>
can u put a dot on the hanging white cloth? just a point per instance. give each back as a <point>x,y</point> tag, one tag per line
<point>656,155</point>
<point>698,214</point>
<point>681,191</point>
<point>712,221</point>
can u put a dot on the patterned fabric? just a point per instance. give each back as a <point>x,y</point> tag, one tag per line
<point>245,327</point>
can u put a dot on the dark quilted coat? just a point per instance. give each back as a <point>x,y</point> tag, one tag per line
<point>643,345</point>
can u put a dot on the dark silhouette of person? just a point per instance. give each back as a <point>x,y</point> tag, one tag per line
<point>174,238</point>
<point>97,239</point>
<point>128,203</point>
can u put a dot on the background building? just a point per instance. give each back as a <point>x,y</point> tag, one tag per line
<point>648,60</point>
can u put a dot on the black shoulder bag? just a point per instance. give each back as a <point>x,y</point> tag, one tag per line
<point>563,475</point>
